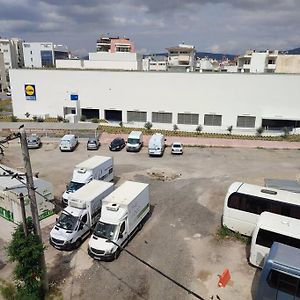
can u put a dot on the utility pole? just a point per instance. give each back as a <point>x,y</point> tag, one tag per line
<point>23,214</point>
<point>33,204</point>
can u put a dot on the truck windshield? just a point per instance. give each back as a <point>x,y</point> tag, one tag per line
<point>105,231</point>
<point>74,186</point>
<point>133,141</point>
<point>67,222</point>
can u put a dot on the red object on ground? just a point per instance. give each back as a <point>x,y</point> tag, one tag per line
<point>224,278</point>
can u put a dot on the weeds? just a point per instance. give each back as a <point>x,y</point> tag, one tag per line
<point>224,232</point>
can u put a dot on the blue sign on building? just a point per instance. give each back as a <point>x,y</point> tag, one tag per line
<point>74,97</point>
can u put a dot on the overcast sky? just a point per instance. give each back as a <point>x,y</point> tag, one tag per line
<point>223,26</point>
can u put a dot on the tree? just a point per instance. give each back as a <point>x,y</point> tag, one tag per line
<point>229,129</point>
<point>121,124</point>
<point>199,128</point>
<point>260,130</point>
<point>148,125</point>
<point>175,127</point>
<point>26,252</point>
<point>286,132</point>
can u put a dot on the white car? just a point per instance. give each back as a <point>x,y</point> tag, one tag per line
<point>177,148</point>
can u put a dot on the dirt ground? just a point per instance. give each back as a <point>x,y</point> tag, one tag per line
<point>187,195</point>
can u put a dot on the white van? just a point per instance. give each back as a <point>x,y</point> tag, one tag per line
<point>135,141</point>
<point>68,142</point>
<point>272,228</point>
<point>156,145</point>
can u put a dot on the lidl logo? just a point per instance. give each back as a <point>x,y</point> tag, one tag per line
<point>30,92</point>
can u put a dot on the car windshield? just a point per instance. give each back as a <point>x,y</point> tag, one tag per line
<point>105,231</point>
<point>116,142</point>
<point>67,222</point>
<point>32,140</point>
<point>74,186</point>
<point>93,142</point>
<point>133,141</point>
<point>177,145</point>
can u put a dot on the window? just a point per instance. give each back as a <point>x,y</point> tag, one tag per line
<point>47,58</point>
<point>0,87</point>
<point>136,116</point>
<point>257,205</point>
<point>245,121</point>
<point>187,118</point>
<point>122,228</point>
<point>284,282</point>
<point>161,117</point>
<point>213,120</point>
<point>84,219</point>
<point>31,52</point>
<point>266,238</point>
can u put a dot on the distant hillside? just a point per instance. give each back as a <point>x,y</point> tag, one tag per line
<point>294,51</point>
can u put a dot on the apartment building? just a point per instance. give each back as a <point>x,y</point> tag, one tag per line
<point>114,44</point>
<point>181,58</point>
<point>43,54</point>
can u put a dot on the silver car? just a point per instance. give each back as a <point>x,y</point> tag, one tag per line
<point>177,148</point>
<point>93,144</point>
<point>34,142</point>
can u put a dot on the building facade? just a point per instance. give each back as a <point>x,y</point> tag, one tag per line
<point>43,54</point>
<point>3,79</point>
<point>216,101</point>
<point>114,44</point>
<point>182,58</point>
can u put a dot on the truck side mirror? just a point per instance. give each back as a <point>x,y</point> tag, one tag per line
<point>80,226</point>
<point>120,236</point>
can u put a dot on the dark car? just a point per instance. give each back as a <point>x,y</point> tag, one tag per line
<point>117,144</point>
<point>92,144</point>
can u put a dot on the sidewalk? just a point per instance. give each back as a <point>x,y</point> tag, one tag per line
<point>213,142</point>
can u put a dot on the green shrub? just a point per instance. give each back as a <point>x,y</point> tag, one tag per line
<point>14,119</point>
<point>34,118</point>
<point>260,130</point>
<point>199,128</point>
<point>286,132</point>
<point>60,118</point>
<point>83,118</point>
<point>175,127</point>
<point>121,124</point>
<point>229,129</point>
<point>95,120</point>
<point>148,125</point>
<point>40,119</point>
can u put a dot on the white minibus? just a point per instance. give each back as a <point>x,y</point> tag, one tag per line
<point>272,228</point>
<point>245,202</point>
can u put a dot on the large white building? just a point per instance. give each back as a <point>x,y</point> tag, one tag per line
<point>216,101</point>
<point>3,79</point>
<point>43,54</point>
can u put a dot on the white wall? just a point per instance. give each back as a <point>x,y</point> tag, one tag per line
<point>258,62</point>
<point>230,95</point>
<point>69,64</point>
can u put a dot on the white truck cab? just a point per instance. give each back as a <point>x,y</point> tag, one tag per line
<point>156,146</point>
<point>134,141</point>
<point>82,213</point>
<point>123,213</point>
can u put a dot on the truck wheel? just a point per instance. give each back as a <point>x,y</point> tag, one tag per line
<point>77,243</point>
<point>117,253</point>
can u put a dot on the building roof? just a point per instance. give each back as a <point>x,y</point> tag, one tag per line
<point>180,48</point>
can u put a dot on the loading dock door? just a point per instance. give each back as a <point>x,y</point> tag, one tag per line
<point>113,115</point>
<point>90,113</point>
<point>275,124</point>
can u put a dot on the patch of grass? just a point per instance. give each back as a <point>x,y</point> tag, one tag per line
<point>224,232</point>
<point>7,289</point>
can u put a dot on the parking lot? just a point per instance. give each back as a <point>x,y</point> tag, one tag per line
<point>186,194</point>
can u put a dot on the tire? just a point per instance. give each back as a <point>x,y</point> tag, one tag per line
<point>117,253</point>
<point>78,243</point>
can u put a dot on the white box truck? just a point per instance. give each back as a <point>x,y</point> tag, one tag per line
<point>135,141</point>
<point>96,167</point>
<point>123,213</point>
<point>156,146</point>
<point>82,213</point>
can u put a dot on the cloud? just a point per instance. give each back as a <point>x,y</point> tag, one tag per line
<point>211,25</point>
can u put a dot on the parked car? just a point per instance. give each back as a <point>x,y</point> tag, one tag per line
<point>93,144</point>
<point>177,148</point>
<point>34,142</point>
<point>117,144</point>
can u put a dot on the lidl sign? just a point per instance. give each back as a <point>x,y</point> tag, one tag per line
<point>30,92</point>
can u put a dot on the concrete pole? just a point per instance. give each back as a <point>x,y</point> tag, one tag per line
<point>33,204</point>
<point>23,214</point>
